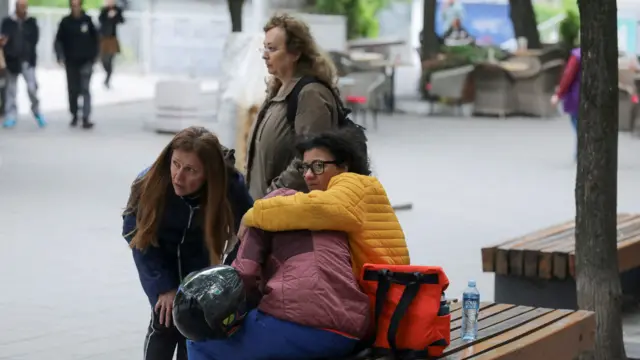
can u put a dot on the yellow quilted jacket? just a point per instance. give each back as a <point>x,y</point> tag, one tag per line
<point>355,204</point>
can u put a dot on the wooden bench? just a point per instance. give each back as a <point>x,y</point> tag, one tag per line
<point>523,333</point>
<point>538,269</point>
<point>520,333</point>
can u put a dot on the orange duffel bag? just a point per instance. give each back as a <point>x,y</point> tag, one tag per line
<point>411,317</point>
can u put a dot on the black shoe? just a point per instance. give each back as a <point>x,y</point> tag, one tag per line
<point>74,122</point>
<point>86,124</point>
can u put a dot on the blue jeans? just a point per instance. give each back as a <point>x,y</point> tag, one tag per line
<point>263,337</point>
<point>574,123</point>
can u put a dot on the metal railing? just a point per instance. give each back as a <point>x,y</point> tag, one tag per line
<point>152,43</point>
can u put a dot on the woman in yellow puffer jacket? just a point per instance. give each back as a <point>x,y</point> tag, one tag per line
<point>343,197</point>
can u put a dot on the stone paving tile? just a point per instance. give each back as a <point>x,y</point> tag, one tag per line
<point>70,289</point>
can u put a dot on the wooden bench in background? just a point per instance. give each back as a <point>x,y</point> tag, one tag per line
<point>538,269</point>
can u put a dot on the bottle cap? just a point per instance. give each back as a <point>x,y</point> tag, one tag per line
<point>472,283</point>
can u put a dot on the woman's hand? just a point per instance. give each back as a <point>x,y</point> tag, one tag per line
<point>555,100</point>
<point>164,306</point>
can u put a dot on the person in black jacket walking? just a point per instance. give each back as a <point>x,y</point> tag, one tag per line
<point>182,215</point>
<point>110,18</point>
<point>76,46</point>
<point>21,35</point>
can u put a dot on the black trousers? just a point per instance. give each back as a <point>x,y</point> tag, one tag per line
<point>78,84</point>
<point>107,64</point>
<point>161,341</point>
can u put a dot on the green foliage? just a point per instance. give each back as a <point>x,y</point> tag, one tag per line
<point>546,11</point>
<point>88,4</point>
<point>360,14</point>
<point>570,29</point>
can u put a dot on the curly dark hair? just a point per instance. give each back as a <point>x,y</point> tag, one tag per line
<point>347,147</point>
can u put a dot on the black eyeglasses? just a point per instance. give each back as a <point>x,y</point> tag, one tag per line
<point>316,166</point>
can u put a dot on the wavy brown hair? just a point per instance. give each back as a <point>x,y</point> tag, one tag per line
<point>148,193</point>
<point>312,61</point>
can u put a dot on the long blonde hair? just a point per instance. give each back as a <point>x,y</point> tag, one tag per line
<point>148,193</point>
<point>312,61</point>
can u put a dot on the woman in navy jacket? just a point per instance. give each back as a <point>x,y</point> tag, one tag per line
<point>181,216</point>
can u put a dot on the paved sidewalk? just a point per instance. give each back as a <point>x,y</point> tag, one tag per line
<point>70,289</point>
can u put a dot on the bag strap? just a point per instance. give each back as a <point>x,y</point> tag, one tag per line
<point>408,295</point>
<point>412,283</point>
<point>292,99</point>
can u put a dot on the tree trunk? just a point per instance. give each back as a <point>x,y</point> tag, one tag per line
<point>597,276</point>
<point>235,10</point>
<point>429,40</point>
<point>524,22</point>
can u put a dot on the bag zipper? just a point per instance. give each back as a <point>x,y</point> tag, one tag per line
<point>184,235</point>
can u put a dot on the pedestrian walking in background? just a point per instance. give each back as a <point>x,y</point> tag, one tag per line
<point>20,34</point>
<point>569,90</point>
<point>76,47</point>
<point>110,18</point>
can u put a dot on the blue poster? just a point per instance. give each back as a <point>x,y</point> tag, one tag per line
<point>627,35</point>
<point>488,23</point>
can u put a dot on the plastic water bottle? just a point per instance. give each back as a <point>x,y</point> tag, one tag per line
<point>470,310</point>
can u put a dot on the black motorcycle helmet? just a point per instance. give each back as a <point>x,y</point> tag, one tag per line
<point>210,304</point>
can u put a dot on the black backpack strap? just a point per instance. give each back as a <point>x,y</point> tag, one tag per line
<point>292,98</point>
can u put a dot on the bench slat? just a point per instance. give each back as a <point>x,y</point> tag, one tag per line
<point>627,231</point>
<point>498,308</point>
<point>628,256</point>
<point>553,336</point>
<point>539,263</point>
<point>456,313</point>
<point>489,253</point>
<point>549,253</point>
<point>500,252</point>
<point>505,338</point>
<point>544,258</point>
<point>535,244</point>
<point>489,321</point>
<point>496,329</point>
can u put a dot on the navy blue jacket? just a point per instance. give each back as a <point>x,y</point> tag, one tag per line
<point>181,247</point>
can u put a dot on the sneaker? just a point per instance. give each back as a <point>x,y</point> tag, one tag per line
<point>9,123</point>
<point>86,124</point>
<point>74,121</point>
<point>40,121</point>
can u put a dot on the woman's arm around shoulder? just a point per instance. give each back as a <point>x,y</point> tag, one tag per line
<point>338,208</point>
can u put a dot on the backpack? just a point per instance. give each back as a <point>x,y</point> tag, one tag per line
<point>411,318</point>
<point>344,122</point>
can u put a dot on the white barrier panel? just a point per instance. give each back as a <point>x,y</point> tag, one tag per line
<point>179,104</point>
